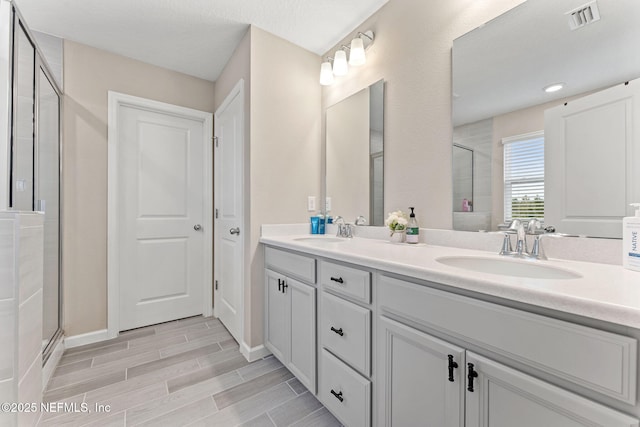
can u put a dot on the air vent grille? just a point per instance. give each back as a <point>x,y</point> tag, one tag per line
<point>584,15</point>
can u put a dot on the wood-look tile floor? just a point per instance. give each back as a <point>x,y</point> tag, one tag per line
<point>184,373</point>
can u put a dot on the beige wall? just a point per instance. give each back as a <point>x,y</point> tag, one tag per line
<point>285,147</point>
<point>412,53</point>
<point>89,73</point>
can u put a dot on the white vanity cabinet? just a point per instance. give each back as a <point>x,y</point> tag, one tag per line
<point>500,397</point>
<point>421,377</point>
<point>290,316</point>
<point>397,350</point>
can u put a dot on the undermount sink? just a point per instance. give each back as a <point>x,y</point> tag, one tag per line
<point>509,267</point>
<point>320,239</point>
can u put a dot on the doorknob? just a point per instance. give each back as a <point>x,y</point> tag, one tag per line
<point>235,230</point>
<point>197,227</point>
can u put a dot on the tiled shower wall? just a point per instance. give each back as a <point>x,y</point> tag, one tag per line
<point>21,263</point>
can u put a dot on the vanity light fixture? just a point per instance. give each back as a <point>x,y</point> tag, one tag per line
<point>358,45</point>
<point>340,67</point>
<point>326,73</point>
<point>553,87</point>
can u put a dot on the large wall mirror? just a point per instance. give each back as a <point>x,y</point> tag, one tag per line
<point>500,73</point>
<point>354,152</point>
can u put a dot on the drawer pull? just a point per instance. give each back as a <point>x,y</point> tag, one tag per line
<point>452,366</point>
<point>337,331</point>
<point>337,279</point>
<point>284,286</point>
<point>470,376</point>
<point>337,395</point>
<point>279,285</point>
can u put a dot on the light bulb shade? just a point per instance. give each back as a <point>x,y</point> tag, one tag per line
<point>340,67</point>
<point>326,74</point>
<point>356,53</point>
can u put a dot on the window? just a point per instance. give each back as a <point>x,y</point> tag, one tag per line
<point>524,176</point>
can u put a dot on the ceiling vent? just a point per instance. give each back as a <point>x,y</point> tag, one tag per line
<point>584,15</point>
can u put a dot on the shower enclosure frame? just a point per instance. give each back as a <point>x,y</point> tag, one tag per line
<point>11,21</point>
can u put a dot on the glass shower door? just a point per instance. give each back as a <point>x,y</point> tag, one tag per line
<point>47,200</point>
<point>22,147</point>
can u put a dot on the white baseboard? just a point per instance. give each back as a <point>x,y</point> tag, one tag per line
<point>88,338</point>
<point>253,353</point>
<point>52,363</point>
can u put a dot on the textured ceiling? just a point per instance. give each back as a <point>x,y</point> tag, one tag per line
<point>195,37</point>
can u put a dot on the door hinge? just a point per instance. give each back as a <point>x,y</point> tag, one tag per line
<point>216,213</point>
<point>216,285</point>
<point>215,140</point>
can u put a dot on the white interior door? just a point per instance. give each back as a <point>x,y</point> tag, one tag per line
<point>229,233</point>
<point>161,215</point>
<point>592,161</point>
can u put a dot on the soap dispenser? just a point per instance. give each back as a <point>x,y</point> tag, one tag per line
<point>413,230</point>
<point>631,240</point>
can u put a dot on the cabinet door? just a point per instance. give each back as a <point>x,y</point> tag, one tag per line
<point>303,332</point>
<point>414,387</point>
<point>277,329</point>
<point>503,397</point>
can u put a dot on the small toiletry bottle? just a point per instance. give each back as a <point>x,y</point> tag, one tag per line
<point>413,230</point>
<point>315,223</point>
<point>631,240</point>
<point>321,224</point>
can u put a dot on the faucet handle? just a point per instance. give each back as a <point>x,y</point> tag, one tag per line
<point>534,227</point>
<point>506,244</point>
<point>537,251</point>
<point>360,220</point>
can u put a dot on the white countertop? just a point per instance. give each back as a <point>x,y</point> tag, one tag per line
<point>604,292</point>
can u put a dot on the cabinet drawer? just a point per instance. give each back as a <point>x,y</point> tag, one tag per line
<point>345,392</point>
<point>294,265</point>
<point>346,331</point>
<point>601,361</point>
<point>348,281</point>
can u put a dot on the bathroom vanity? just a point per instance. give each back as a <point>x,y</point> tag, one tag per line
<point>393,334</point>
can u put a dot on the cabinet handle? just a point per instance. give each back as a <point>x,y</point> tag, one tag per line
<point>337,279</point>
<point>284,286</point>
<point>279,285</point>
<point>337,331</point>
<point>337,395</point>
<point>452,365</point>
<point>470,376</point>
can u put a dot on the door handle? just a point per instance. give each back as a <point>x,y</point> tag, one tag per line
<point>470,376</point>
<point>197,227</point>
<point>452,365</point>
<point>235,230</point>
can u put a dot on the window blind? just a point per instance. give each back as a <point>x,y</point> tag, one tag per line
<point>524,176</point>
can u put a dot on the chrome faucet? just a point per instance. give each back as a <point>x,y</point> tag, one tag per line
<point>534,228</point>
<point>344,230</point>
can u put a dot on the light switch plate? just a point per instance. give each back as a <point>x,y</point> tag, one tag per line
<point>327,204</point>
<point>311,203</point>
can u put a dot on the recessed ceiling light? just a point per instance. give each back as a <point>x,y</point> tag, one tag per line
<point>554,87</point>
